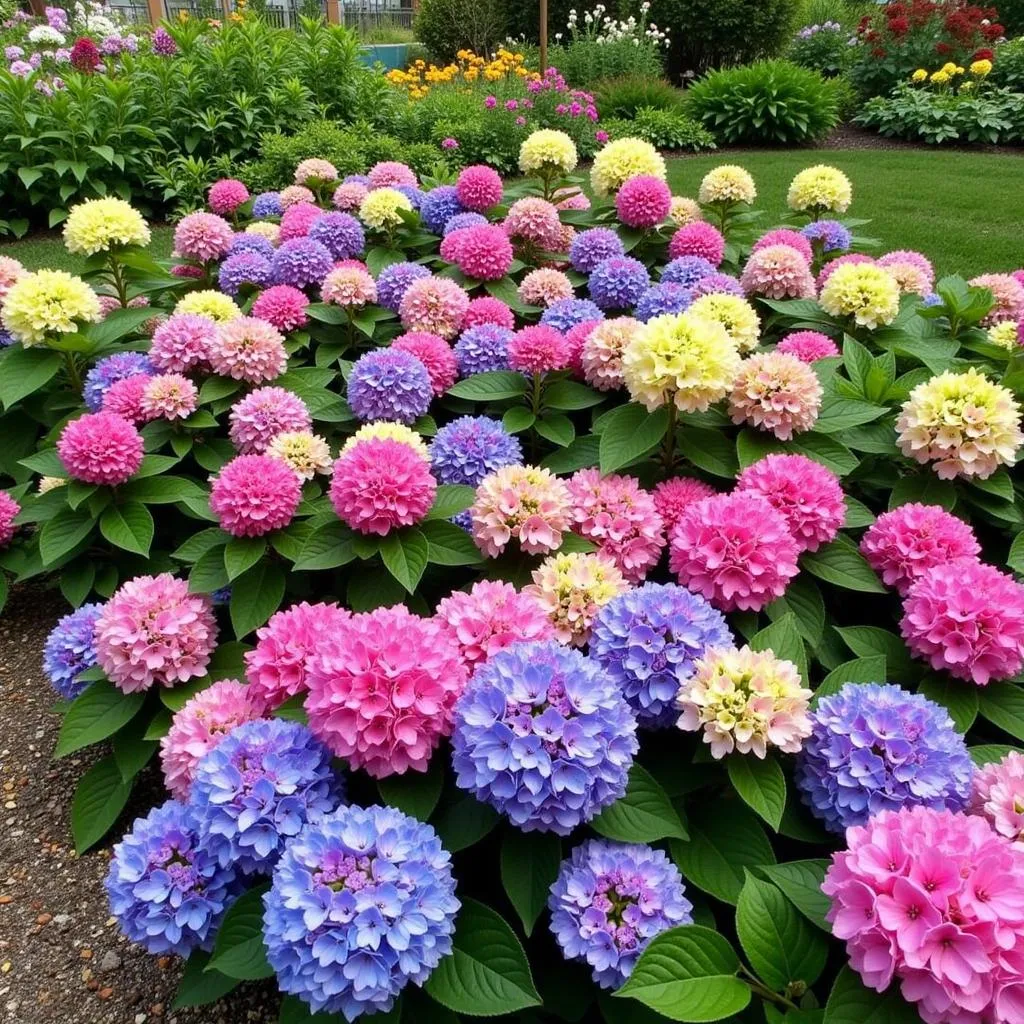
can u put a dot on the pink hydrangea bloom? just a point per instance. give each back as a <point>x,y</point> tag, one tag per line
<point>169,396</point>
<point>698,239</point>
<point>778,272</point>
<point>9,509</point>
<point>808,495</point>
<point>435,354</point>
<point>153,631</point>
<point>735,550</point>
<point>535,221</point>
<point>108,303</point>
<point>620,517</point>
<point>100,448</point>
<point>451,243</point>
<point>349,196</point>
<point>1008,293</point>
<point>381,690</point>
<point>278,665</point>
<point>226,196</point>
<point>294,194</point>
<point>833,265</point>
<point>188,270</point>
<point>351,287</point>
<point>10,270</point>
<point>490,617</point>
<point>315,170</point>
<point>913,271</point>
<point>607,360</point>
<point>523,503</point>
<point>484,252</point>
<point>538,349</point>
<point>777,393</point>
<point>673,497</point>
<point>966,618</point>
<point>202,237</point>
<point>545,286</point>
<point>997,794</point>
<point>298,219</point>
<point>903,544</point>
<point>934,900</point>
<point>390,174</point>
<point>479,187</point>
<point>571,199</point>
<point>182,343</point>
<point>807,346</point>
<point>124,398</point>
<point>601,355</point>
<point>261,415</point>
<point>254,494</point>
<point>248,349</point>
<point>381,484</point>
<point>785,236</point>
<point>488,310</point>
<point>198,727</point>
<point>435,305</point>
<point>282,306</point>
<point>644,201</point>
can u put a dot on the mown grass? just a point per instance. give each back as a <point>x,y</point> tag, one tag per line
<point>48,251</point>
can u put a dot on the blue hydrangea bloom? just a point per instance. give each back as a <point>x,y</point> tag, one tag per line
<point>463,519</point>
<point>301,262</point>
<point>469,448</point>
<point>267,204</point>
<point>246,242</point>
<point>591,247</point>
<point>108,371</point>
<point>463,220</point>
<point>394,280</point>
<point>244,269</point>
<point>834,237</point>
<point>438,206</point>
<point>875,747</point>
<point>609,900</point>
<point>718,283</point>
<point>618,282</point>
<point>543,735</point>
<point>362,903</point>
<point>565,314</point>
<point>340,233</point>
<point>388,384</point>
<point>257,788</point>
<point>221,596</point>
<point>662,298</point>
<point>412,193</point>
<point>482,348</point>
<point>6,338</point>
<point>168,894</point>
<point>359,179</point>
<point>932,300</point>
<point>686,270</point>
<point>70,649</point>
<point>647,640</point>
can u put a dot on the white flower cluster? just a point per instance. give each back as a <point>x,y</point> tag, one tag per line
<point>598,27</point>
<point>45,34</point>
<point>95,17</point>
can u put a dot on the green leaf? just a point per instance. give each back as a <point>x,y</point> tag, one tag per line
<point>517,419</point>
<point>529,866</point>
<point>117,325</point>
<point>710,450</point>
<point>161,490</point>
<point>415,793</point>
<point>842,564</point>
<point>801,880</point>
<point>761,785</point>
<point>557,429</point>
<point>327,547</point>
<point>851,1002</point>
<point>128,526</point>
<point>96,714</point>
<point>783,637</point>
<point>448,544</point>
<point>242,553</point>
<point>781,946</point>
<point>133,748</point>
<point>839,414</point>
<point>24,371</point>
<point>464,823</point>
<point>45,463</point>
<point>644,814</point>
<point>450,500</point>
<point>568,396</point>
<point>581,454</point>
<point>868,640</point>
<point>63,533</point>
<point>1003,705</point>
<point>860,670</point>
<point>959,700</point>
<point>198,986</point>
<point>238,951</point>
<point>490,387</point>
<point>630,431</point>
<point>988,753</point>
<point>1015,559</point>
<point>858,515</point>
<point>688,974</point>
<point>208,574</point>
<point>255,596</point>
<point>99,798</point>
<point>404,553</point>
<point>925,488</point>
<point>803,599</point>
<point>76,580</point>
<point>487,973</point>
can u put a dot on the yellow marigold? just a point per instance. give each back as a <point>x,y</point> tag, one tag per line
<point>382,208</point>
<point>624,159</point>
<point>949,67</point>
<point>820,188</point>
<point>548,150</point>
<point>727,184</point>
<point>967,87</point>
<point>47,302</point>
<point>216,305</point>
<point>963,423</point>
<point>1004,334</point>
<point>385,429</point>
<point>865,291</point>
<point>684,211</point>
<point>920,75</point>
<point>736,315</point>
<point>981,68</point>
<point>940,77</point>
<point>680,358</point>
<point>99,225</point>
<point>271,232</point>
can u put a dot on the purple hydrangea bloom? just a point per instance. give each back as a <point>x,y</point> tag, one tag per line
<point>340,233</point>
<point>932,300</point>
<point>244,241</point>
<point>394,280</point>
<point>163,44</point>
<point>108,371</point>
<point>70,649</point>
<point>833,236</point>
<point>591,247</point>
<point>221,596</point>
<point>618,282</point>
<point>875,747</point>
<point>267,204</point>
<point>471,447</point>
<point>686,270</point>
<point>609,900</point>
<point>388,384</point>
<point>257,788</point>
<point>438,206</point>
<point>301,262</point>
<point>359,179</point>
<point>463,220</point>
<point>362,903</point>
<point>483,348</point>
<point>647,640</point>
<point>564,314</point>
<point>412,193</point>
<point>662,298</point>
<point>717,283</point>
<point>244,269</point>
<point>6,338</point>
<point>168,893</point>
<point>543,735</point>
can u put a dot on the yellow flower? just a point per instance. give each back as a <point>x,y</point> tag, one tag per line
<point>727,184</point>
<point>920,75</point>
<point>386,430</point>
<point>967,87</point>
<point>684,211</point>
<point>868,293</point>
<point>958,71</point>
<point>820,188</point>
<point>736,315</point>
<point>940,77</point>
<point>99,225</point>
<point>382,208</point>
<point>949,67</point>
<point>981,68</point>
<point>271,232</point>
<point>215,305</point>
<point>1004,334</point>
<point>47,302</point>
<point>548,150</point>
<point>621,160</point>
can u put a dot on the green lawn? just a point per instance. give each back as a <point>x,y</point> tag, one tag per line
<point>48,251</point>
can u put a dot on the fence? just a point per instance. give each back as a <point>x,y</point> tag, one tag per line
<point>363,16</point>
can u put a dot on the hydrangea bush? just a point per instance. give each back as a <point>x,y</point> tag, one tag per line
<point>545,598</point>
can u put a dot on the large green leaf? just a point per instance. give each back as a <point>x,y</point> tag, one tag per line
<point>415,793</point>
<point>801,881</point>
<point>529,866</point>
<point>238,951</point>
<point>198,986</point>
<point>24,371</point>
<point>448,544</point>
<point>842,564</point>
<point>761,784</point>
<point>450,500</point>
<point>128,526</point>
<point>628,433</point>
<point>959,700</point>
<point>327,547</point>
<point>63,533</point>
<point>858,670</point>
<point>96,714</point>
<point>99,798</point>
<point>404,553</point>
<point>490,387</point>
<point>255,596</point>
<point>851,1002</point>
<point>242,553</point>
<point>1003,704</point>
<point>464,823</point>
<point>644,814</point>
<point>866,641</point>
<point>783,637</point>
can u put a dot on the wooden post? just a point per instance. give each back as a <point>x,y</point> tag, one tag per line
<point>543,36</point>
<point>156,11</point>
<point>333,12</point>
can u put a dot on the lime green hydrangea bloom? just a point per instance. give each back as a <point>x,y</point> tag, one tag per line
<point>48,302</point>
<point>99,225</point>
<point>864,291</point>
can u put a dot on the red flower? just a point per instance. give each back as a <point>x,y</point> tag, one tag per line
<point>899,26</point>
<point>877,51</point>
<point>85,56</point>
<point>983,54</point>
<point>943,49</point>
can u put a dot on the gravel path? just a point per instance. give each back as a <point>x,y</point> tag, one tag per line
<point>62,959</point>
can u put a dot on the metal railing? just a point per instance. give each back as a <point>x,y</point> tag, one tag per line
<point>362,15</point>
<point>366,17</point>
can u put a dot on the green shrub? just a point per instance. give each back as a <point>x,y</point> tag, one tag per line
<point>447,26</point>
<point>1008,66</point>
<point>823,47</point>
<point>1011,16</point>
<point>623,97</point>
<point>671,129</point>
<point>767,102</point>
<point>586,62</point>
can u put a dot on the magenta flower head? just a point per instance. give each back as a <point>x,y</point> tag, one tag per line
<point>674,496</point>
<point>436,305</point>
<point>435,354</point>
<point>479,187</point>
<point>283,307</point>
<point>100,448</point>
<point>248,349</point>
<point>488,310</point>
<point>808,346</point>
<point>9,509</point>
<point>698,239</point>
<point>785,236</point>
<point>124,398</point>
<point>203,237</point>
<point>381,690</point>
<point>226,196</point>
<point>484,252</point>
<point>538,349</point>
<point>254,494</point>
<point>643,201</point>
<point>182,343</point>
<point>153,631</point>
<point>261,415</point>
<point>997,794</point>
<point>967,619</point>
<point>391,174</point>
